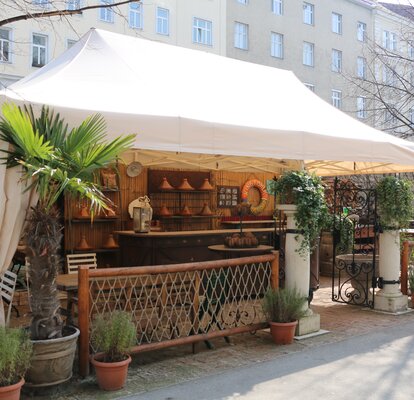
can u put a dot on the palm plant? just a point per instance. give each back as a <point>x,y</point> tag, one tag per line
<point>55,161</point>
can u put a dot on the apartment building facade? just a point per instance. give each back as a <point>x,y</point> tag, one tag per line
<point>327,44</point>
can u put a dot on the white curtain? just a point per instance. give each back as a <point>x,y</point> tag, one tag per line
<point>14,205</point>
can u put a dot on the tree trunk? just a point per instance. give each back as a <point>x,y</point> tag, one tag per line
<point>43,238</point>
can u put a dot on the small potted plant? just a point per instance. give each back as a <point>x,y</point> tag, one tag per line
<point>15,354</point>
<point>113,335</point>
<point>283,308</point>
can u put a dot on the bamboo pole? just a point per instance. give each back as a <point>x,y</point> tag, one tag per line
<point>83,319</point>
<point>274,277</point>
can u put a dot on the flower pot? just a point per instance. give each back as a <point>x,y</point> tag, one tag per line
<point>52,360</point>
<point>111,376</point>
<point>283,332</point>
<point>11,392</point>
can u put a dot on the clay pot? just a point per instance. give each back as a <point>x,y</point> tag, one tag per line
<point>111,376</point>
<point>11,392</point>
<point>110,242</point>
<point>185,211</point>
<point>83,212</point>
<point>206,185</point>
<point>83,244</point>
<point>283,332</point>
<point>164,211</point>
<point>206,210</point>
<point>110,213</point>
<point>165,185</point>
<point>185,185</point>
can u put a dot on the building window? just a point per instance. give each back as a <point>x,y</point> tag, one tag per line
<point>107,13</point>
<point>163,21</point>
<point>308,13</point>
<point>389,76</point>
<point>389,115</point>
<point>337,23</point>
<point>135,15</point>
<point>276,45</point>
<point>361,107</point>
<point>202,31</point>
<point>39,50</point>
<point>241,36</point>
<point>362,31</point>
<point>73,5</point>
<point>41,3</point>
<point>411,50</point>
<point>308,54</point>
<point>389,40</point>
<point>70,43</point>
<point>361,67</point>
<point>242,1</point>
<point>5,53</point>
<point>310,87</point>
<point>336,60</point>
<point>337,98</point>
<point>277,7</point>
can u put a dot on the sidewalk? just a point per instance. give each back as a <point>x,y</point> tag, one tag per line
<point>149,371</point>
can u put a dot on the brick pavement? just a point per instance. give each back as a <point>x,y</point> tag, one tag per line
<point>167,367</point>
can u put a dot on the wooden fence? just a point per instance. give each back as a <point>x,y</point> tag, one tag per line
<point>177,304</point>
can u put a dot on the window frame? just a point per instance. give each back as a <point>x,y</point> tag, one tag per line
<point>308,13</point>
<point>135,14</point>
<point>277,44</point>
<point>310,46</point>
<point>336,98</point>
<point>163,20</point>
<point>106,12</point>
<point>361,107</point>
<point>39,47</point>
<point>361,31</point>
<point>336,24</point>
<point>336,61</point>
<point>277,7</point>
<point>7,41</point>
<point>205,31</point>
<point>241,38</point>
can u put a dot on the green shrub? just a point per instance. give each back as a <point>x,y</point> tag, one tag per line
<point>15,355</point>
<point>308,193</point>
<point>114,334</point>
<point>395,202</point>
<point>283,305</point>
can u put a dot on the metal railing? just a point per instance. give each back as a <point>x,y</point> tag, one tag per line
<point>177,304</point>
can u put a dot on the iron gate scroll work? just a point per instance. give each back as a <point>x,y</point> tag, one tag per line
<point>355,234</point>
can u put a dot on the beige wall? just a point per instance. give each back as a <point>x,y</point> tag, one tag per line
<point>261,21</point>
<point>59,31</point>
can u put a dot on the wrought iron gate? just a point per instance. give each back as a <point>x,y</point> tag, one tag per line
<point>355,234</point>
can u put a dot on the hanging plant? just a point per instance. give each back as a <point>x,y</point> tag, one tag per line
<point>395,202</point>
<point>307,192</point>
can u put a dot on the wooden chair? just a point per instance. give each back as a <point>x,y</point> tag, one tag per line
<point>75,260</point>
<point>7,288</point>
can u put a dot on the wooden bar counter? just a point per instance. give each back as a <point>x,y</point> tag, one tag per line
<point>160,248</point>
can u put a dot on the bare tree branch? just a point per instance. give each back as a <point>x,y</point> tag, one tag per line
<point>61,12</point>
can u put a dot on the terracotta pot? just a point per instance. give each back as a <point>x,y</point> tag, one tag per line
<point>83,244</point>
<point>84,212</point>
<point>164,211</point>
<point>185,211</point>
<point>283,332</point>
<point>110,242</point>
<point>185,185</point>
<point>206,185</point>
<point>11,392</point>
<point>111,376</point>
<point>206,210</point>
<point>165,185</point>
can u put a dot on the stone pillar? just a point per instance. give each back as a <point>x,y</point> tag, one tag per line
<point>390,298</point>
<point>297,270</point>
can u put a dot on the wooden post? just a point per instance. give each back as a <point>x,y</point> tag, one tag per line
<point>404,266</point>
<point>83,319</point>
<point>274,277</point>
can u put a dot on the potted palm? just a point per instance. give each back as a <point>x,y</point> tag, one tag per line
<point>55,161</point>
<point>113,335</point>
<point>283,308</point>
<point>16,350</point>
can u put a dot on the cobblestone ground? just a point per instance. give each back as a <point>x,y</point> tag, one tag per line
<point>167,367</point>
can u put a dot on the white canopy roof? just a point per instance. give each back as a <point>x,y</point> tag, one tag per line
<point>207,107</point>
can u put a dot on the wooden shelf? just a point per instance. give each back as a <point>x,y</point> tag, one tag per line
<point>184,216</point>
<point>88,220</point>
<point>182,191</point>
<point>263,221</point>
<point>101,250</point>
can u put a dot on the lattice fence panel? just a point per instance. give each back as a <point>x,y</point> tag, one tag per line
<point>180,304</point>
